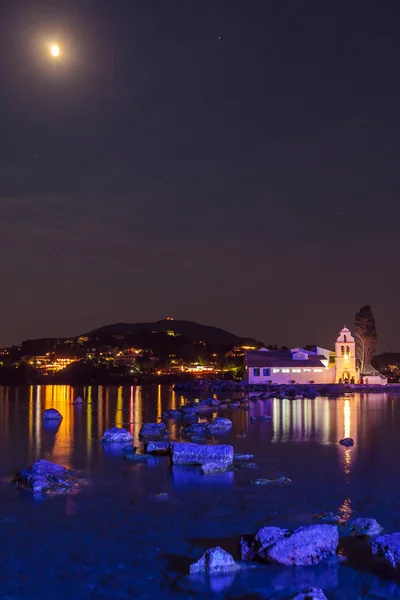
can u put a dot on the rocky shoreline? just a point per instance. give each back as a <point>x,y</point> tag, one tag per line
<point>280,391</point>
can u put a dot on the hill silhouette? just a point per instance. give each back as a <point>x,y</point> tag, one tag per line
<point>188,329</point>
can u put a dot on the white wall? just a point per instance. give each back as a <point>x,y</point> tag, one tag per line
<point>326,376</point>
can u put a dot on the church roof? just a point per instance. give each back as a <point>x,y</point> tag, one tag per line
<point>281,358</point>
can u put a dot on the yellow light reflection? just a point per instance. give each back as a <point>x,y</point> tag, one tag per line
<point>119,414</point>
<point>159,404</point>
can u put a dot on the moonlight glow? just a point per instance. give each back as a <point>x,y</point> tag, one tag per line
<point>55,50</point>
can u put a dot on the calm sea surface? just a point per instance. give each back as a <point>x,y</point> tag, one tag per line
<point>114,538</point>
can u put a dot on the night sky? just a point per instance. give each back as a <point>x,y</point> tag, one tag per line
<point>230,162</point>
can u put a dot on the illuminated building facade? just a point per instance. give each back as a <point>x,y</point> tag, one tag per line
<point>314,365</point>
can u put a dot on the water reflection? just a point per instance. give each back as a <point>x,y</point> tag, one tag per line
<point>75,441</point>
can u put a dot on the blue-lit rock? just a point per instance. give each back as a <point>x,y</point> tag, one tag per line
<point>274,481</point>
<point>310,594</point>
<point>52,414</point>
<point>210,468</point>
<point>158,448</point>
<point>386,548</point>
<point>215,561</point>
<point>116,434</point>
<point>198,454</point>
<point>220,424</point>
<point>77,401</point>
<point>305,546</point>
<point>243,456</point>
<point>363,527</point>
<point>152,430</point>
<point>348,442</point>
<point>44,477</point>
<point>327,517</point>
<point>261,542</point>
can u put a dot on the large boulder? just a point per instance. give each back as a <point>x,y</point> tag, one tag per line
<point>44,477</point>
<point>305,546</point>
<point>310,594</point>
<point>116,434</point>
<point>198,454</point>
<point>387,549</point>
<point>261,542</point>
<point>52,414</point>
<point>152,430</point>
<point>215,561</point>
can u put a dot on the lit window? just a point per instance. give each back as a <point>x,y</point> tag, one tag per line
<point>296,370</point>
<point>317,370</point>
<point>256,372</point>
<point>275,370</point>
<point>307,370</point>
<point>266,372</point>
<point>285,370</point>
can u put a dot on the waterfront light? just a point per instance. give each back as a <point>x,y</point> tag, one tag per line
<point>55,50</point>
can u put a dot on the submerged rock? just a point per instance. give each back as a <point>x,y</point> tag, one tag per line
<point>214,467</point>
<point>45,477</point>
<point>52,414</point>
<point>275,481</point>
<point>328,517</point>
<point>174,414</point>
<point>160,448</point>
<point>78,401</point>
<point>305,546</point>
<point>387,549</point>
<point>116,434</point>
<point>152,430</point>
<point>347,442</point>
<point>242,464</point>
<point>219,424</point>
<point>215,561</point>
<point>243,456</point>
<point>197,454</point>
<point>310,594</point>
<point>361,527</point>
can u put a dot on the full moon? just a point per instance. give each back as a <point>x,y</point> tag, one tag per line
<point>55,50</point>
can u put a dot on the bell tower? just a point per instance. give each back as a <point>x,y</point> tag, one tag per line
<point>345,348</point>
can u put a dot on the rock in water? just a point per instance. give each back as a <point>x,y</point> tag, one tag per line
<point>361,527</point>
<point>220,424</point>
<point>267,537</point>
<point>243,457</point>
<point>197,454</point>
<point>153,430</point>
<point>327,517</point>
<point>310,594</point>
<point>77,401</point>
<point>277,481</point>
<point>305,546</point>
<point>213,467</point>
<point>159,448</point>
<point>387,549</point>
<point>347,442</point>
<point>44,476</point>
<point>116,434</point>
<point>52,414</point>
<point>215,561</point>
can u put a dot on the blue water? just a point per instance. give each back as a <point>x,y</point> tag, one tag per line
<point>114,538</point>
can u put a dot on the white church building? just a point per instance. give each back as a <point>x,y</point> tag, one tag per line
<point>309,365</point>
